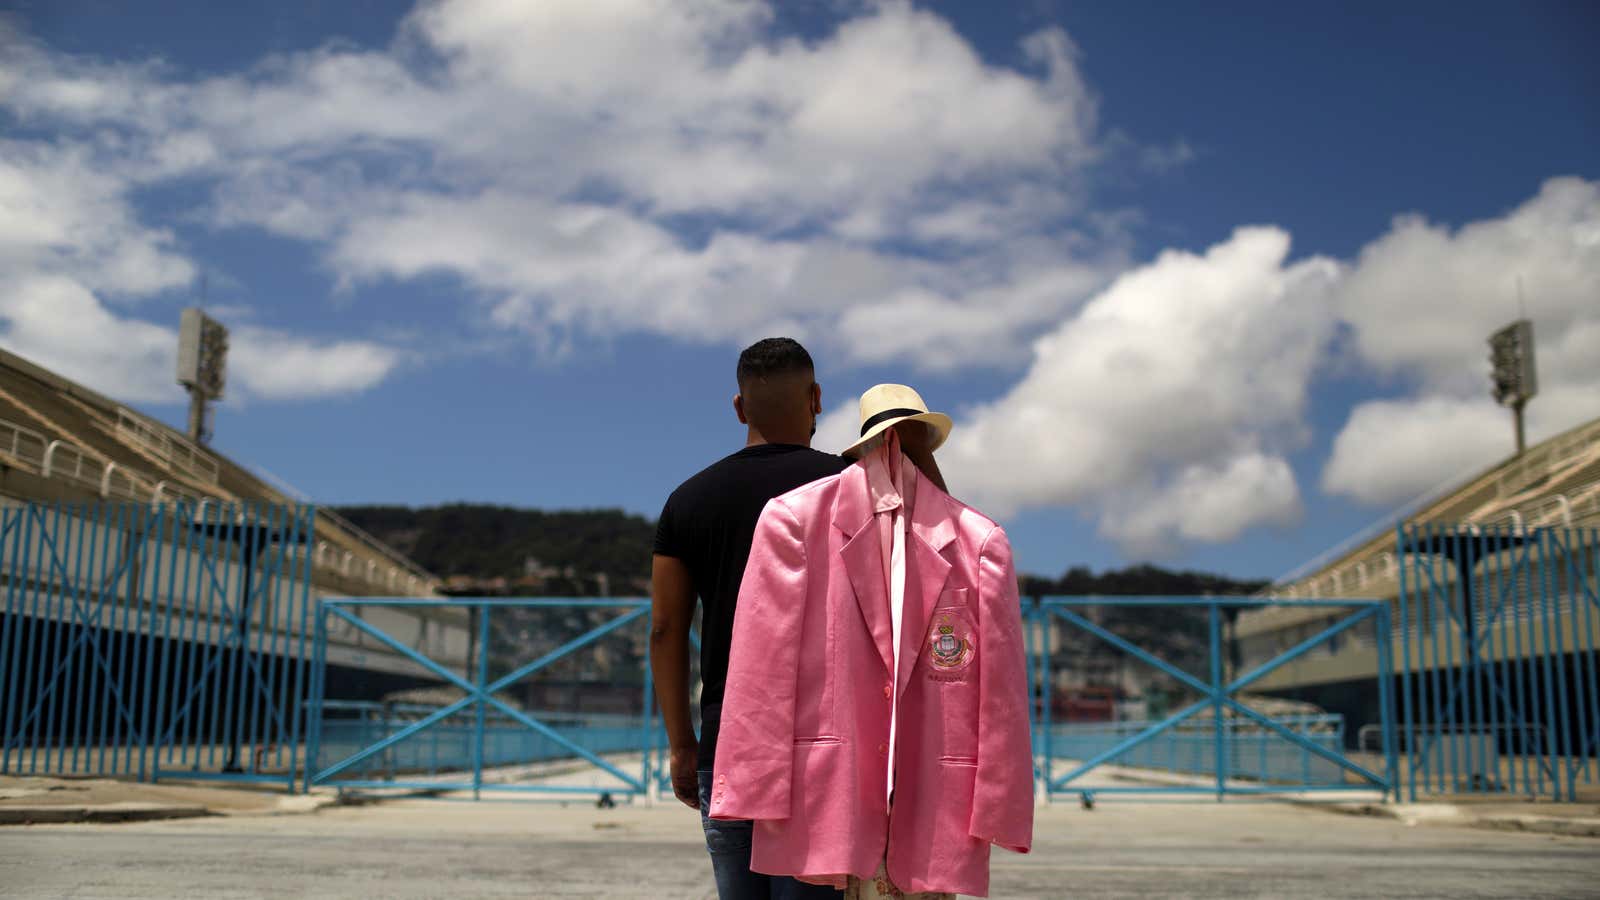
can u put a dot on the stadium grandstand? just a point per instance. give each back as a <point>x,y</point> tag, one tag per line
<point>65,445</point>
<point>1468,573</point>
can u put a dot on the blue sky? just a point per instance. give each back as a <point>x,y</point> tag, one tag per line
<point>1203,284</point>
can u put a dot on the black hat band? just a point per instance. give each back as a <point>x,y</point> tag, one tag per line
<point>888,414</point>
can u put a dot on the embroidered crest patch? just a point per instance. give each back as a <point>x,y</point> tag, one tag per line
<point>950,644</point>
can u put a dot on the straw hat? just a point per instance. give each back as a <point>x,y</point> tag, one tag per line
<point>885,404</point>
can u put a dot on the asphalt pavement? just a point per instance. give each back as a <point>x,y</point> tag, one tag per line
<point>446,848</point>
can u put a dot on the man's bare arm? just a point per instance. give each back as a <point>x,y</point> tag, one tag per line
<point>671,611</point>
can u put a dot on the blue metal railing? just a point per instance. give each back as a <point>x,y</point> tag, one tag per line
<point>154,641</point>
<point>1499,628</point>
<point>1253,754</point>
<point>1237,748</point>
<point>178,641</point>
<point>447,748</point>
<point>480,730</point>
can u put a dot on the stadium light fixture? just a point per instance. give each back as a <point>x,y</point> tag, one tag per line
<point>1512,373</point>
<point>202,368</point>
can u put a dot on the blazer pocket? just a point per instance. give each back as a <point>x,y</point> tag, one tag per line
<point>817,739</point>
<point>958,760</point>
<point>953,598</point>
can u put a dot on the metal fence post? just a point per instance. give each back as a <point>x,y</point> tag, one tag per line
<point>483,700</point>
<point>1386,704</point>
<point>157,523</point>
<point>1405,660</point>
<point>1030,618</point>
<point>318,681</point>
<point>1214,625</point>
<point>1554,639</point>
<point>13,625</point>
<point>1046,696</point>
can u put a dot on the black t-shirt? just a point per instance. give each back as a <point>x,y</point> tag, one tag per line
<point>708,523</point>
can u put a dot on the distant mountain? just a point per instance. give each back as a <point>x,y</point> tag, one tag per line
<point>482,541</point>
<point>1140,579</point>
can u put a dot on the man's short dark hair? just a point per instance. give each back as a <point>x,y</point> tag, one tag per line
<point>773,357</point>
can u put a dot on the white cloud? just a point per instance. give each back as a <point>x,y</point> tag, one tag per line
<point>78,261</point>
<point>941,332</point>
<point>1214,503</point>
<point>549,155</point>
<point>57,322</point>
<point>67,235</point>
<point>1422,300</point>
<point>61,214</point>
<point>1166,404</point>
<point>1393,449</point>
<point>277,366</point>
<point>587,168</point>
<point>840,424</point>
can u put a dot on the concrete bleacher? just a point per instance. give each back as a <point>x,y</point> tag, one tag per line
<point>1555,483</point>
<point>61,441</point>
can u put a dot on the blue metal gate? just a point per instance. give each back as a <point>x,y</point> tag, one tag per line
<point>1499,627</point>
<point>479,742</point>
<point>1216,743</point>
<point>154,641</point>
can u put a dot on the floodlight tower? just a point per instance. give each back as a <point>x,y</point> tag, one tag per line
<point>202,368</point>
<point>1514,375</point>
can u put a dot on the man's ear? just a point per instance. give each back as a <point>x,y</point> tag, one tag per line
<point>738,409</point>
<point>816,399</point>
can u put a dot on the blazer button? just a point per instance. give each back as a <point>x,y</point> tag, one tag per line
<point>888,690</point>
<point>722,779</point>
<point>883,748</point>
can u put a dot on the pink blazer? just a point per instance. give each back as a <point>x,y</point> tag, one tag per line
<point>803,747</point>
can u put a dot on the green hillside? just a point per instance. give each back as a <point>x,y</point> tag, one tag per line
<point>487,541</point>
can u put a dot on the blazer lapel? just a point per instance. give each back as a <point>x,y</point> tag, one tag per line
<point>926,571</point>
<point>862,559</point>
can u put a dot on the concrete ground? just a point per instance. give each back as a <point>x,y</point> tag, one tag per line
<point>421,848</point>
<point>28,800</point>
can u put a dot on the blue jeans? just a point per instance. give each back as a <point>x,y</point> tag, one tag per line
<point>729,846</point>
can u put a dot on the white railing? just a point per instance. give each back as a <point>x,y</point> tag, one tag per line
<point>111,480</point>
<point>116,481</point>
<point>372,543</point>
<point>1564,510</point>
<point>1532,465</point>
<point>1515,478</point>
<point>330,561</point>
<point>166,492</point>
<point>1575,505</point>
<point>21,443</point>
<point>175,452</point>
<point>64,460</point>
<point>69,462</point>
